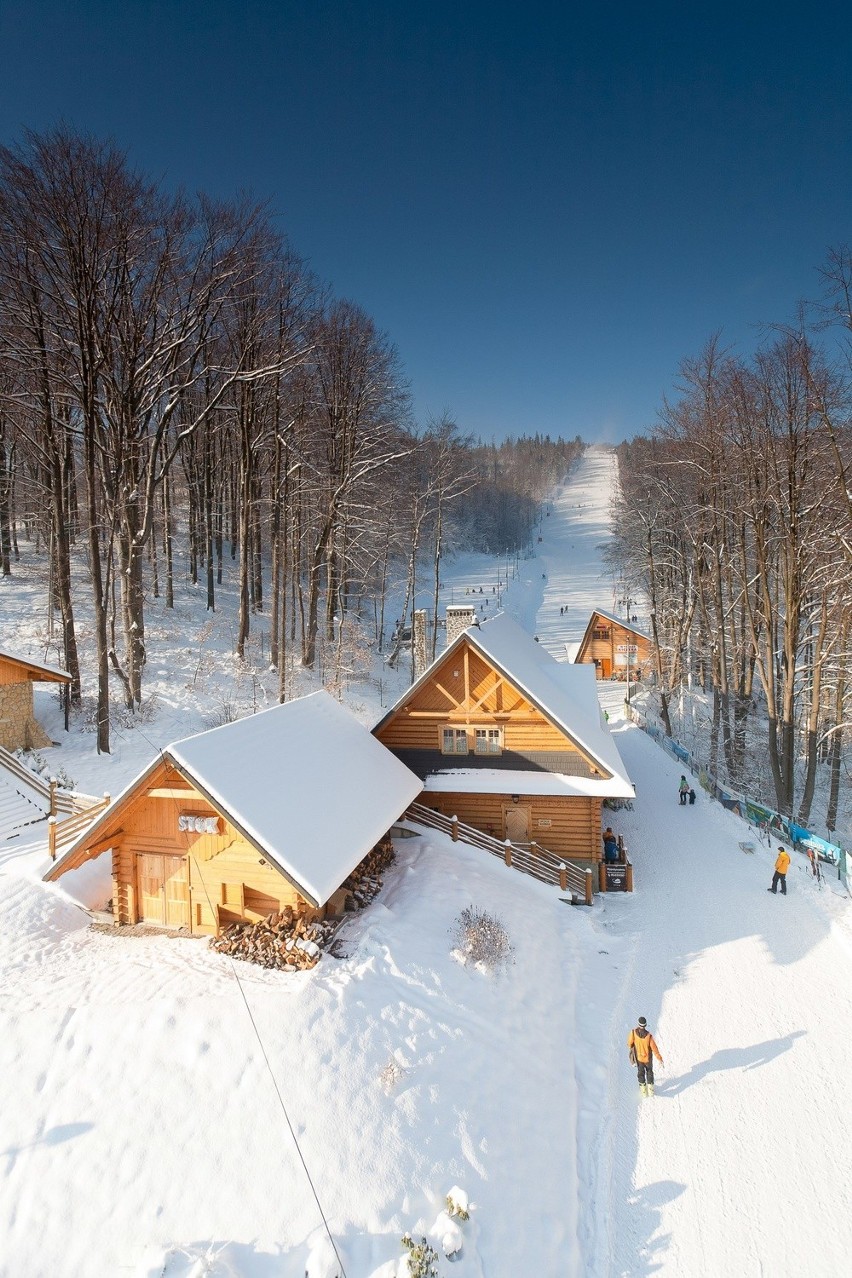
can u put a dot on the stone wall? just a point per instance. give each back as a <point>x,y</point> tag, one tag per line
<point>18,726</point>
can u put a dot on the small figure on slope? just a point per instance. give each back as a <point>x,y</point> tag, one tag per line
<point>643,1049</point>
<point>610,846</point>
<point>782,864</point>
<point>683,789</point>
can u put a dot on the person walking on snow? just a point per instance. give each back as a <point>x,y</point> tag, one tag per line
<point>643,1049</point>
<point>683,790</point>
<point>782,863</point>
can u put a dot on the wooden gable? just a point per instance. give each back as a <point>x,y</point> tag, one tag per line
<point>464,688</point>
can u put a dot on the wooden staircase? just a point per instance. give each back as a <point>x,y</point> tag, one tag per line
<point>530,858</point>
<point>26,799</point>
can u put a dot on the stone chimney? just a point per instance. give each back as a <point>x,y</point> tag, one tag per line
<point>459,618</point>
<point>418,639</point>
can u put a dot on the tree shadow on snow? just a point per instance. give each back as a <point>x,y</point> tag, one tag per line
<point>53,1136</point>
<point>744,1058</point>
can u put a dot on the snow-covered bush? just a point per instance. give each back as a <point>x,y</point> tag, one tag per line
<point>480,938</point>
<point>225,711</point>
<point>457,1203</point>
<point>421,1261</point>
<point>41,767</point>
<point>123,717</point>
<point>390,1076</point>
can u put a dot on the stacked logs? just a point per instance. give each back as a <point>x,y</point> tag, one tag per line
<point>281,940</point>
<point>287,939</point>
<point>365,882</point>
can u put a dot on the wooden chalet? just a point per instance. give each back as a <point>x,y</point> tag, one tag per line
<point>617,648</point>
<point>233,824</point>
<point>19,728</point>
<point>509,740</point>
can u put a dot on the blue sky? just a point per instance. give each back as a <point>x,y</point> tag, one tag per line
<point>546,206</point>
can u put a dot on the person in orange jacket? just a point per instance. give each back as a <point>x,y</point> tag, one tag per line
<point>643,1049</point>
<point>782,864</point>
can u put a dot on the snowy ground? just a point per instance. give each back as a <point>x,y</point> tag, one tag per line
<point>150,1085</point>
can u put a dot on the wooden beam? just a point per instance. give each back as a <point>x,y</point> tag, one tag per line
<point>171,792</point>
<point>466,674</point>
<point>107,841</point>
<point>454,701</point>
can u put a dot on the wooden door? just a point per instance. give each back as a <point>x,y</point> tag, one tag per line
<point>517,823</point>
<point>176,891</point>
<point>163,889</point>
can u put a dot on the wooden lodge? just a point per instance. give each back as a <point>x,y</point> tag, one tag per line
<point>509,740</point>
<point>19,728</point>
<point>233,824</point>
<point>617,648</point>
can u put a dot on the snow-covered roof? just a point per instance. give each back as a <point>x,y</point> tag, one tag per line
<point>503,781</point>
<point>305,782</point>
<point>35,668</point>
<point>565,693</point>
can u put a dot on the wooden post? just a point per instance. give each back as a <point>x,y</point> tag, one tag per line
<point>563,878</point>
<point>588,887</point>
<point>51,836</point>
<point>454,831</point>
<point>602,876</point>
<point>507,854</point>
<point>629,877</point>
<point>52,809</point>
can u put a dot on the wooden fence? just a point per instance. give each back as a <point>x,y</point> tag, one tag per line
<point>530,858</point>
<point>61,834</point>
<point>57,801</point>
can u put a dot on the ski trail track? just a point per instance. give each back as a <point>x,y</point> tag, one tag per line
<point>740,1164</point>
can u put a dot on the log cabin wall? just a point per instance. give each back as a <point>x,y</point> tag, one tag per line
<point>179,877</point>
<point>569,826</point>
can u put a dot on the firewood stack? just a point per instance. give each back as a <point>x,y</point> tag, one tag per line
<point>282,940</point>
<point>287,939</point>
<point>365,882</point>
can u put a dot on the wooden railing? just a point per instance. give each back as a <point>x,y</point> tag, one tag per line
<point>60,834</point>
<point>57,800</point>
<point>530,858</point>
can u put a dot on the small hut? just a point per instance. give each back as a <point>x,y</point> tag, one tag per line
<point>233,824</point>
<point>618,649</point>
<point>19,728</point>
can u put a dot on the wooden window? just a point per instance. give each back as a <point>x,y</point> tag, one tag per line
<point>454,741</point>
<point>489,741</point>
<point>600,632</point>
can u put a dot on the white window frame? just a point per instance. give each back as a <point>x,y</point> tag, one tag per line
<point>458,740</point>
<point>488,740</point>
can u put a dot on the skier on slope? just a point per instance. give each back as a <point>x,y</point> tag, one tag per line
<point>643,1049</point>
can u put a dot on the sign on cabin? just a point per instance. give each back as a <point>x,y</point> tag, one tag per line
<point>187,821</point>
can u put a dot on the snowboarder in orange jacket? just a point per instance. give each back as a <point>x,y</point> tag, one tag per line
<point>643,1049</point>
<point>782,864</point>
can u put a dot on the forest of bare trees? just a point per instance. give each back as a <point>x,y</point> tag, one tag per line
<point>175,380</point>
<point>735,519</point>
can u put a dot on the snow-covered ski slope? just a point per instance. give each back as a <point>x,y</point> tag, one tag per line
<point>142,1134</point>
